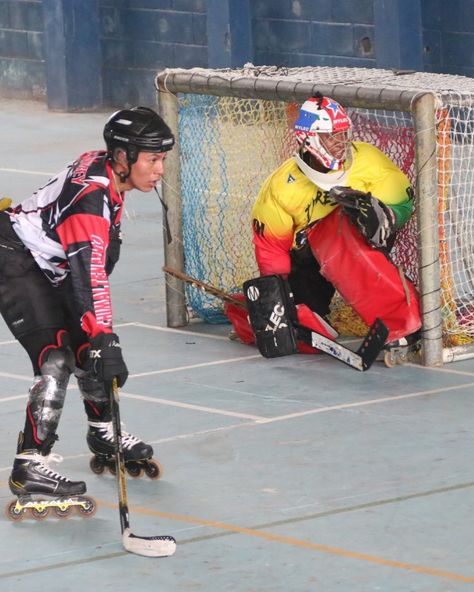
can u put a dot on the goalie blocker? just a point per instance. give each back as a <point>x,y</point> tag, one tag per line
<point>273,317</point>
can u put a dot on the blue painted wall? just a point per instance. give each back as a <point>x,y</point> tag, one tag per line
<point>140,37</point>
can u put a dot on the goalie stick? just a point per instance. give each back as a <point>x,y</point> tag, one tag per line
<point>361,360</point>
<point>203,286</point>
<point>153,546</point>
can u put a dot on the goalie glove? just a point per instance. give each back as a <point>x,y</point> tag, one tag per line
<point>375,220</point>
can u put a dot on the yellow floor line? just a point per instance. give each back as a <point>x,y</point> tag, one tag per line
<point>301,543</point>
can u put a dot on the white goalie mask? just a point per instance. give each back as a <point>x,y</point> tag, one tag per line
<point>323,129</point>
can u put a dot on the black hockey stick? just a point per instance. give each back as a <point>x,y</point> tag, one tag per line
<point>156,546</point>
<point>361,360</point>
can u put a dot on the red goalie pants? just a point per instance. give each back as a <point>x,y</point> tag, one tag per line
<point>365,278</point>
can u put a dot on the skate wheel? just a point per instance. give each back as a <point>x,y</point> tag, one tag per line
<point>390,360</point>
<point>96,465</point>
<point>112,468</point>
<point>402,358</point>
<point>153,469</point>
<point>64,512</point>
<point>13,513</point>
<point>39,513</point>
<point>134,470</point>
<point>87,507</point>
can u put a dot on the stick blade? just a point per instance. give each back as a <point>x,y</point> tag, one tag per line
<point>157,546</point>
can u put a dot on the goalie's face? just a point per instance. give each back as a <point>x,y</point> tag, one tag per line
<point>336,145</point>
<point>323,129</point>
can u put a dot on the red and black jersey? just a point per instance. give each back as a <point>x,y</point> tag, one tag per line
<point>67,225</point>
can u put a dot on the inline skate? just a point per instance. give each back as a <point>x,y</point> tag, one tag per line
<point>41,491</point>
<point>402,350</point>
<point>138,455</point>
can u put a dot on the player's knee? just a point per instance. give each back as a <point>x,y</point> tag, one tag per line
<point>58,362</point>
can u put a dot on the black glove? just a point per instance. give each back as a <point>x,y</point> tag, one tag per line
<point>105,359</point>
<point>375,220</point>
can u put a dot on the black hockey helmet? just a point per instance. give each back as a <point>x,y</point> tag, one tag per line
<point>136,130</point>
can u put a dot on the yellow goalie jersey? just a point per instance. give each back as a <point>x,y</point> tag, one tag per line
<point>288,203</point>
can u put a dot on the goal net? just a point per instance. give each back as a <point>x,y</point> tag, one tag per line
<point>235,127</point>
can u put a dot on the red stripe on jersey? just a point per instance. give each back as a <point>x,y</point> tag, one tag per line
<point>80,228</point>
<point>94,230</point>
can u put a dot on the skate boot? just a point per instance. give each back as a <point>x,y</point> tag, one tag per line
<point>137,454</point>
<point>402,350</point>
<point>40,489</point>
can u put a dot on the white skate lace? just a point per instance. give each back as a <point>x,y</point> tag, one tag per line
<point>43,464</point>
<point>107,429</point>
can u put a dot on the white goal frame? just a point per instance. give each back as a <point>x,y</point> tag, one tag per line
<point>419,94</point>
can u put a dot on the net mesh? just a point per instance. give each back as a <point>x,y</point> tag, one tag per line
<point>456,220</point>
<point>230,144</point>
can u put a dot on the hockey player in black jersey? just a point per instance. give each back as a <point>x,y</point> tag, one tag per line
<point>57,249</point>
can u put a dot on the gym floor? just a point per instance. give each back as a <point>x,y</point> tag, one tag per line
<point>294,474</point>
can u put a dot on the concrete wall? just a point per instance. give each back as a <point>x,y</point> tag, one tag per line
<point>22,72</point>
<point>314,33</point>
<point>142,37</point>
<point>139,37</point>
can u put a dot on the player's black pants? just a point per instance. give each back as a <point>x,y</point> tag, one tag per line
<point>40,316</point>
<point>32,307</point>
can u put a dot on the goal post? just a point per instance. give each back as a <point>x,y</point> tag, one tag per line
<point>233,129</point>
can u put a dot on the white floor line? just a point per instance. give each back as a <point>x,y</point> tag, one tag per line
<point>213,410</point>
<point>11,342</point>
<point>191,366</point>
<point>16,376</point>
<point>14,398</point>
<point>179,331</point>
<point>26,172</point>
<point>443,369</point>
<point>203,432</point>
<point>366,403</point>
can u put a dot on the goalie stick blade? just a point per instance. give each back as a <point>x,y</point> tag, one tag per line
<point>158,546</point>
<point>373,343</point>
<point>362,359</point>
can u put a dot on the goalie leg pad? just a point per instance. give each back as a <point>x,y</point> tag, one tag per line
<point>239,318</point>
<point>272,314</point>
<point>366,279</point>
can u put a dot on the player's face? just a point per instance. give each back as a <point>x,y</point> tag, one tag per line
<point>335,144</point>
<point>147,170</point>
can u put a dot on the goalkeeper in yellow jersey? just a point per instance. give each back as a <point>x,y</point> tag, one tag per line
<point>325,220</point>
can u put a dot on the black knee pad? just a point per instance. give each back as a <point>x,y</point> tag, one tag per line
<point>272,315</point>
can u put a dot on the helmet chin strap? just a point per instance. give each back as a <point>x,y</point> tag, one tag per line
<point>325,181</point>
<point>121,175</point>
